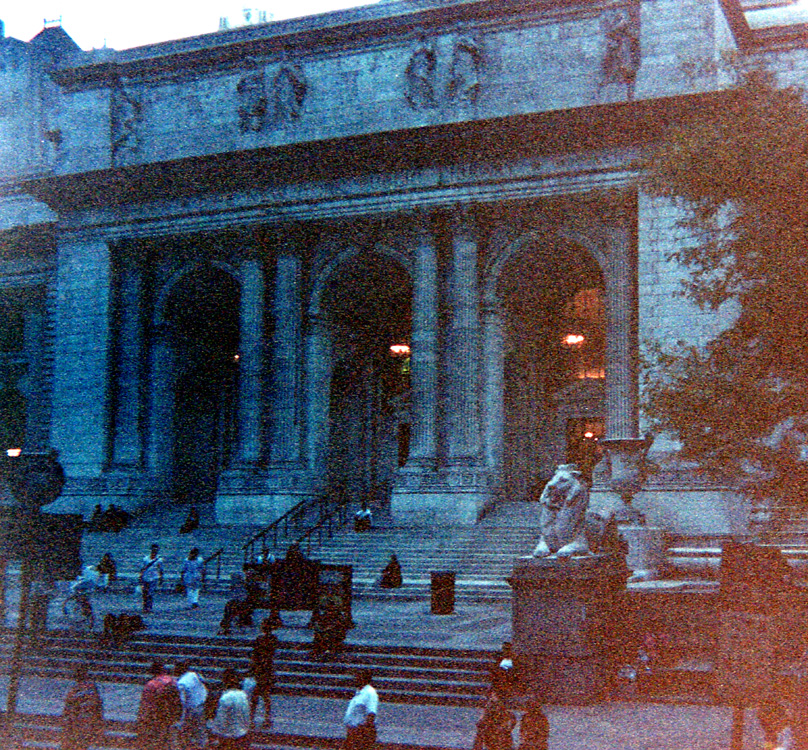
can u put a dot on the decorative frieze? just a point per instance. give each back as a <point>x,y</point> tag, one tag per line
<point>456,78</point>
<point>125,115</point>
<point>290,88</point>
<point>252,99</point>
<point>622,53</point>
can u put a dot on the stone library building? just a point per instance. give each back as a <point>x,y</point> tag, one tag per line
<point>399,252</point>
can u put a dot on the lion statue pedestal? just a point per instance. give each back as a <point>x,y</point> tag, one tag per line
<point>566,625</point>
<point>568,597</point>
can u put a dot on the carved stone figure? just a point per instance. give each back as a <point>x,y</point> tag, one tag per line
<point>290,91</point>
<point>565,500</point>
<point>124,116</point>
<point>252,102</point>
<point>420,75</point>
<point>464,80</point>
<point>622,58</point>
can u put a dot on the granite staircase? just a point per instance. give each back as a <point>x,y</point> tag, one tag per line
<point>405,675</point>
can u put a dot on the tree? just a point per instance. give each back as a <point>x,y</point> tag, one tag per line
<point>739,405</point>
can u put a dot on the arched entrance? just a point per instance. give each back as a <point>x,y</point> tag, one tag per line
<point>551,295</point>
<point>202,322</point>
<point>368,304</point>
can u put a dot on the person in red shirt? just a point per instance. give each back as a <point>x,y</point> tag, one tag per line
<point>160,708</point>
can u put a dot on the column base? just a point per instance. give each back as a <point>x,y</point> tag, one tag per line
<point>132,491</point>
<point>258,497</point>
<point>450,497</point>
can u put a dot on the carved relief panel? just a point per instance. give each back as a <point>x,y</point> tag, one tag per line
<point>436,76</point>
<point>622,54</point>
<point>125,114</point>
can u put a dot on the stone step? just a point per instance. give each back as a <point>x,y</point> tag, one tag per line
<point>421,676</point>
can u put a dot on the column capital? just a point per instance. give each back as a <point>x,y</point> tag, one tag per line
<point>464,221</point>
<point>282,239</point>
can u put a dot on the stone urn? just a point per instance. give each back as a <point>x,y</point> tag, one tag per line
<point>626,474</point>
<point>646,544</point>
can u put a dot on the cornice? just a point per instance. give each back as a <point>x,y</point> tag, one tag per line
<point>353,28</point>
<point>428,190</point>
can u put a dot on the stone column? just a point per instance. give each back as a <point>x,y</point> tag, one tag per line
<point>318,392</point>
<point>622,409</point>
<point>251,356</point>
<point>161,410</point>
<point>424,348</point>
<point>82,354</point>
<point>494,405</point>
<point>286,349</point>
<point>36,417</point>
<point>127,445</point>
<point>463,344</point>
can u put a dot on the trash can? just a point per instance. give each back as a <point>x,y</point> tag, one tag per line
<point>443,592</point>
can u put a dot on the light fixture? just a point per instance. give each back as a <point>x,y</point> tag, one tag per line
<point>400,350</point>
<point>573,339</point>
<point>14,452</point>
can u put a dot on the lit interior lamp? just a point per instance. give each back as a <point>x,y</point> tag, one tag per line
<point>400,350</point>
<point>14,452</point>
<point>589,434</point>
<point>573,339</point>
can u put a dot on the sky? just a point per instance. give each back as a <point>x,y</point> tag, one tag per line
<point>98,23</point>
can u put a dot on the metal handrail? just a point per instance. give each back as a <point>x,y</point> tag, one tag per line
<point>217,555</point>
<point>295,513</point>
<point>326,522</point>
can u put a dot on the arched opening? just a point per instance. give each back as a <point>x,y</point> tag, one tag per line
<point>554,363</point>
<point>369,308</point>
<point>202,317</point>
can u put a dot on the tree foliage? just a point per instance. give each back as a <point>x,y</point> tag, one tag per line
<point>739,404</point>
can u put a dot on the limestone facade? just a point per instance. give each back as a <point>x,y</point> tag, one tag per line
<point>209,246</point>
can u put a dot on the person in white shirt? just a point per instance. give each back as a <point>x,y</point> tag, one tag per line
<point>151,573</point>
<point>360,716</point>
<point>231,727</point>
<point>193,695</point>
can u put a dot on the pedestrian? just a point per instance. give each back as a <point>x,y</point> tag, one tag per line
<point>360,716</point>
<point>231,725</point>
<point>503,676</point>
<point>534,729</point>
<point>193,694</point>
<point>391,575</point>
<point>495,727</point>
<point>108,570</point>
<point>262,669</point>
<point>192,577</point>
<point>151,573</point>
<point>191,522</point>
<point>160,708</point>
<point>83,714</point>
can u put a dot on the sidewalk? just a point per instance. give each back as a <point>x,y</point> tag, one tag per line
<point>606,726</point>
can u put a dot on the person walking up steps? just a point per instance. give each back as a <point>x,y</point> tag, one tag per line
<point>262,669</point>
<point>192,577</point>
<point>151,573</point>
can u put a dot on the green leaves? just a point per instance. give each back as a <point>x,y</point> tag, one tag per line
<point>741,171</point>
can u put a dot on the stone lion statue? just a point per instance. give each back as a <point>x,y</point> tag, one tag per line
<point>564,501</point>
